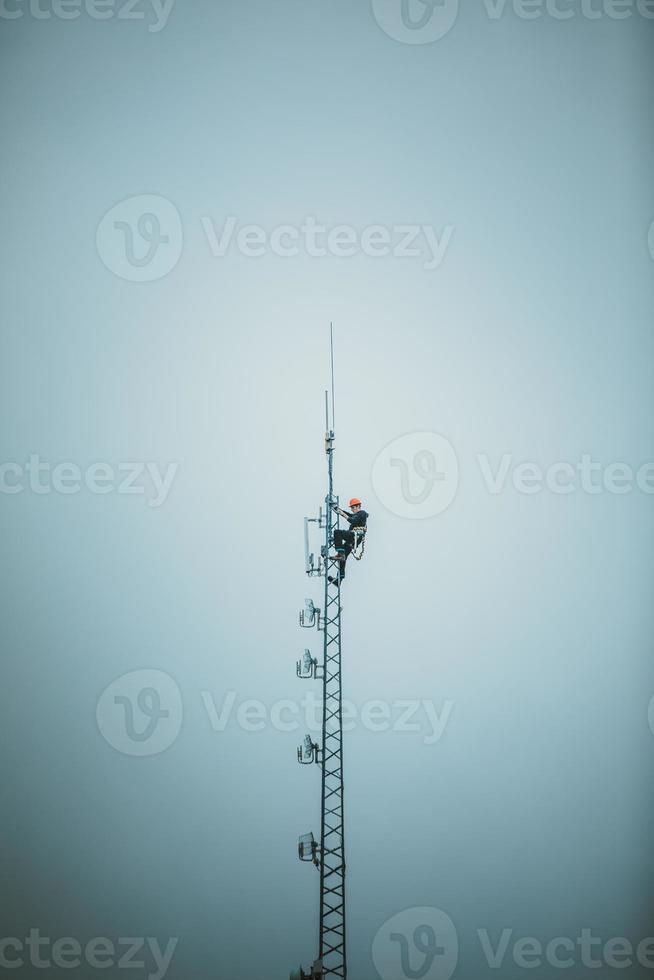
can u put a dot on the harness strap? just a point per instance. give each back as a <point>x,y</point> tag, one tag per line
<point>359,539</point>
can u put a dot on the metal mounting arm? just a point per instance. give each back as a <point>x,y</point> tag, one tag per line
<point>309,752</point>
<point>310,615</point>
<point>308,849</point>
<point>310,565</point>
<point>307,668</point>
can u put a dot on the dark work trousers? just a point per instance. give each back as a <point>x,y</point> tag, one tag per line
<point>343,542</point>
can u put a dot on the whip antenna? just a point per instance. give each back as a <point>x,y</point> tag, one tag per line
<point>331,346</point>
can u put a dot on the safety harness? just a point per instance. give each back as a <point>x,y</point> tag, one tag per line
<point>359,542</point>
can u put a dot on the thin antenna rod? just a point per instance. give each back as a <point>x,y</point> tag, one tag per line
<point>331,344</point>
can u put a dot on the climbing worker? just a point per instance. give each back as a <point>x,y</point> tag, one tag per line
<point>346,541</point>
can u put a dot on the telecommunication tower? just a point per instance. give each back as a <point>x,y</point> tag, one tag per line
<point>328,852</point>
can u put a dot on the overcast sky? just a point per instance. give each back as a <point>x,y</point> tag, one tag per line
<point>189,197</point>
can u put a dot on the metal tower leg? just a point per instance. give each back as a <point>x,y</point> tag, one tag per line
<point>332,836</point>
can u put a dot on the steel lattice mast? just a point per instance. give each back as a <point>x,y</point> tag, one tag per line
<point>332,865</point>
<point>328,854</point>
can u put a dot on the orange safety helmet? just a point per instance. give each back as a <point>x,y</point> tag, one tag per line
<point>355,502</point>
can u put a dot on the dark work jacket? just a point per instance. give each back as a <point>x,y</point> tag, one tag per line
<point>357,520</point>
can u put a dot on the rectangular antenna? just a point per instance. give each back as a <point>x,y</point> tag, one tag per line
<point>331,345</point>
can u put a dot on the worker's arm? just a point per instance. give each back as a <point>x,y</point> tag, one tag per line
<point>342,512</point>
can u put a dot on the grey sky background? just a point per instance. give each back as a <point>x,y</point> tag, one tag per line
<point>529,615</point>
